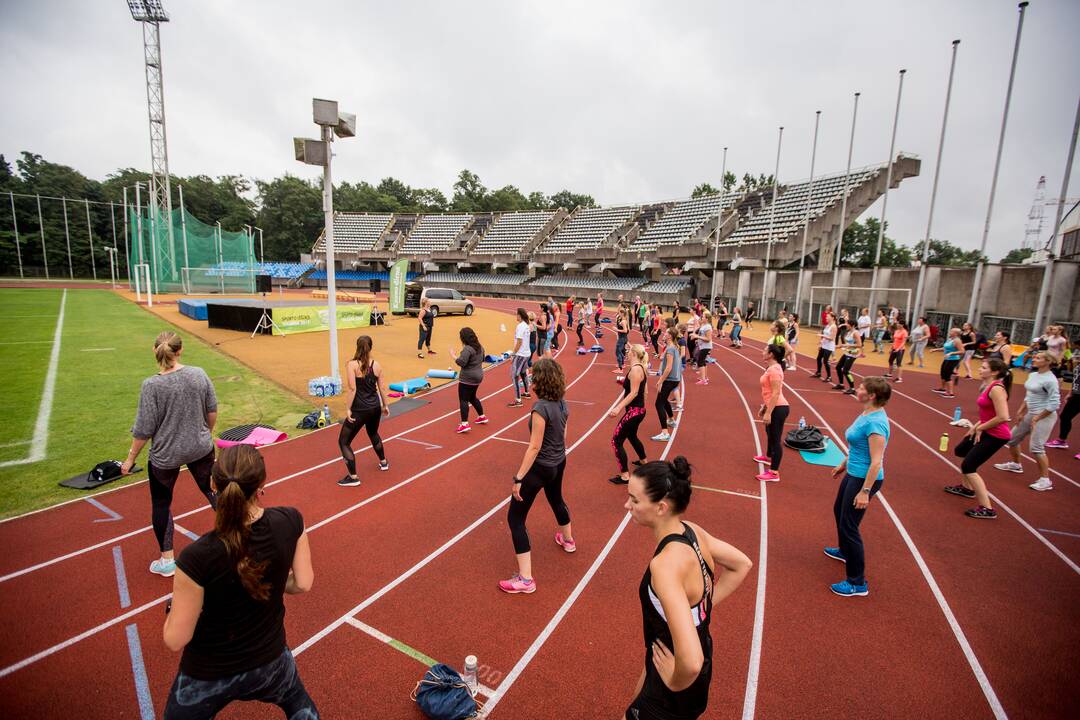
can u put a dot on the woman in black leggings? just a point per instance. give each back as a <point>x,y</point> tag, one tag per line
<point>671,368</point>
<point>985,437</point>
<point>366,398</point>
<point>774,412</point>
<point>471,362</point>
<point>826,348</point>
<point>541,469</point>
<point>1065,420</point>
<point>632,409</point>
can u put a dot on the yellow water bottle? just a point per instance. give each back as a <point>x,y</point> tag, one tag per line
<point>943,445</point>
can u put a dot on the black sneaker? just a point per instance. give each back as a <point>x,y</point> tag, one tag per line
<point>817,375</point>
<point>959,490</point>
<point>618,480</point>
<point>849,391</point>
<point>981,513</point>
<point>837,386</point>
<point>638,463</point>
<point>526,395</point>
<point>348,481</point>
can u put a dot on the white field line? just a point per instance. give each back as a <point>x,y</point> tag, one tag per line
<point>201,508</point>
<point>1060,532</point>
<point>753,670</point>
<point>88,633</point>
<point>725,492</point>
<point>442,548</point>
<point>40,441</point>
<point>549,629</point>
<point>16,443</point>
<point>26,342</point>
<point>954,625</point>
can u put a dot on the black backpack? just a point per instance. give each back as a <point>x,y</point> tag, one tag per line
<point>808,438</point>
<point>104,472</point>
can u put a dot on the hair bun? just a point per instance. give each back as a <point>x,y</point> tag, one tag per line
<point>681,467</point>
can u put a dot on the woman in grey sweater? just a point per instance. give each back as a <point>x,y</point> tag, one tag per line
<point>471,361</point>
<point>177,412</point>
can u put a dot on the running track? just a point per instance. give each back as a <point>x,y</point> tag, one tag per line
<point>966,619</point>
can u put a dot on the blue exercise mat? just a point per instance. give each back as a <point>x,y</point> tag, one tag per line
<point>442,374</point>
<point>831,457</point>
<point>410,386</point>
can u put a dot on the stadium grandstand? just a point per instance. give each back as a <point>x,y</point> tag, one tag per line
<point>354,232</point>
<point>438,278</point>
<point>513,231</point>
<point>433,233</point>
<point>683,221</point>
<point>588,228</point>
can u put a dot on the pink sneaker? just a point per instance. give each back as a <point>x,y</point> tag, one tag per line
<point>567,545</point>
<point>700,382</point>
<point>463,428</point>
<point>517,584</point>
<point>762,458</point>
<point>768,476</point>
<point>482,420</point>
<point>1055,443</point>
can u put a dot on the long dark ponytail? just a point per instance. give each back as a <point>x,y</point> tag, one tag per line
<point>363,353</point>
<point>468,337</point>
<point>238,474</point>
<point>1002,372</point>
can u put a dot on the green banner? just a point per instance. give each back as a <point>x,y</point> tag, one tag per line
<point>290,320</point>
<point>398,273</point>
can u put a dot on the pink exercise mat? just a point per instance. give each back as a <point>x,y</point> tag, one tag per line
<point>259,436</point>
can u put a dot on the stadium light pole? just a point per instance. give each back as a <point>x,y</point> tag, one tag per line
<point>772,219</point>
<point>920,287</point>
<point>41,229</point>
<point>15,224</point>
<point>262,257</point>
<point>318,152</point>
<point>716,246</point>
<point>90,237</point>
<point>885,197</point>
<point>1055,240</point>
<point>183,234</point>
<point>806,217</point>
<point>976,291</point>
<point>843,207</point>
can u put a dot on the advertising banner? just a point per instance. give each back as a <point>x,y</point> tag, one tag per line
<point>290,320</point>
<point>398,273</point>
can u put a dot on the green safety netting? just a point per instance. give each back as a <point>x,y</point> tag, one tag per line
<point>194,257</point>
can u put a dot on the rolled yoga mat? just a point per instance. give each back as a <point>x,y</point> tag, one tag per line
<point>410,386</point>
<point>442,374</point>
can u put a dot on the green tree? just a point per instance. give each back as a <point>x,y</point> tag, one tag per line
<point>429,200</point>
<point>729,181</point>
<point>1017,256</point>
<point>290,214</point>
<point>860,246</point>
<point>506,199</point>
<point>396,189</point>
<point>702,190</point>
<point>469,193</point>
<point>943,252</point>
<point>571,200</point>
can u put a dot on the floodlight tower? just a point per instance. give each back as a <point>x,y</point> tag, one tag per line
<point>1034,227</point>
<point>151,14</point>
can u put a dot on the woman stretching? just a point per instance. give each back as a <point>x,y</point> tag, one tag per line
<point>704,347</point>
<point>541,469</point>
<point>774,412</point>
<point>366,400</point>
<point>721,319</point>
<point>736,328</point>
<point>426,319</point>
<point>177,410</point>
<point>1038,415</point>
<point>851,347</point>
<point>826,346</point>
<point>227,613</point>
<point>471,362</point>
<point>655,324</point>
<point>690,572</point>
<point>985,437</point>
<point>862,474</point>
<point>632,409</point>
<point>668,382</point>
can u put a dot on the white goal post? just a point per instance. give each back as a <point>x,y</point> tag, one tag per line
<point>907,303</point>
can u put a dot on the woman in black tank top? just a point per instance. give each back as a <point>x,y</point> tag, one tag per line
<point>366,398</point>
<point>674,684</point>
<point>632,409</point>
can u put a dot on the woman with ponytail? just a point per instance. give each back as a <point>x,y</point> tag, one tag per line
<point>985,437</point>
<point>690,572</point>
<point>632,409</point>
<point>471,362</point>
<point>366,400</point>
<point>227,612</point>
<point>177,412</point>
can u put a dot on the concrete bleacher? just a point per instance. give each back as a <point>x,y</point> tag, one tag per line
<point>433,233</point>
<point>354,232</point>
<point>435,278</point>
<point>587,228</point>
<point>791,207</point>
<point>682,221</point>
<point>591,282</point>
<point>512,231</point>
<point>670,285</point>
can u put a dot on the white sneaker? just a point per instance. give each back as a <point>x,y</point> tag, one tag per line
<point>1010,467</point>
<point>1042,485</point>
<point>662,437</point>
<point>672,422</point>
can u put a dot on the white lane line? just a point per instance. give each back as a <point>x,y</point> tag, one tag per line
<point>26,342</point>
<point>185,532</point>
<point>40,442</point>
<point>512,440</point>
<point>138,671</point>
<point>954,625</point>
<point>1060,532</point>
<point>113,515</point>
<point>17,443</point>
<point>726,492</point>
<point>97,350</point>
<point>427,445</point>
<point>121,578</point>
<point>530,653</point>
<point>753,670</point>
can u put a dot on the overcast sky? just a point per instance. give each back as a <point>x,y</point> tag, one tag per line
<point>627,101</point>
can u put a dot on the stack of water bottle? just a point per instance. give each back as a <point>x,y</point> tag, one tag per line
<point>325,386</point>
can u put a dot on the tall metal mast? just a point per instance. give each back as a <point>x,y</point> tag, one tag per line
<point>151,14</point>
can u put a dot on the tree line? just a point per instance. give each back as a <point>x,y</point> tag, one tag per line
<point>289,211</point>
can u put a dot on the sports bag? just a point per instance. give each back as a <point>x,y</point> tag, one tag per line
<point>104,472</point>
<point>443,695</point>
<point>808,438</point>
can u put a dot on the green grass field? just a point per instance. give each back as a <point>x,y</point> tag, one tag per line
<point>106,351</point>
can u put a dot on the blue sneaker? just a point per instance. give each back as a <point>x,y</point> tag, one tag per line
<point>835,554</point>
<point>163,567</point>
<point>848,590</point>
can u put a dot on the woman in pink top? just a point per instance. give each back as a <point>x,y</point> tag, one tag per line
<point>896,356</point>
<point>773,412</point>
<point>987,436</point>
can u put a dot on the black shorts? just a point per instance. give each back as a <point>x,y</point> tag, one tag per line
<point>703,356</point>
<point>896,357</point>
<point>974,454</point>
<point>948,369</point>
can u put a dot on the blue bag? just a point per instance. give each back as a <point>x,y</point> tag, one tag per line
<point>442,695</point>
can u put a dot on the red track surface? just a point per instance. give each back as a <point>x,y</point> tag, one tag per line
<point>415,554</point>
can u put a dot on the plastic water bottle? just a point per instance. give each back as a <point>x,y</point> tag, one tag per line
<point>943,445</point>
<point>469,676</point>
<point>802,422</point>
<point>957,414</point>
